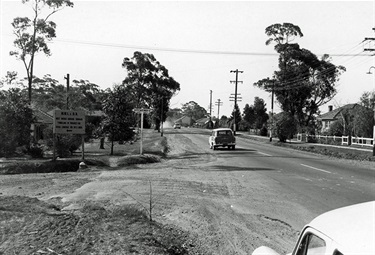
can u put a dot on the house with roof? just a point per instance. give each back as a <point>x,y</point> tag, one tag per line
<point>333,115</point>
<point>205,123</point>
<point>41,121</point>
<point>185,121</point>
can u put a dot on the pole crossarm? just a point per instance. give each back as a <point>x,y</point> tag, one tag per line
<point>369,39</point>
<point>235,97</point>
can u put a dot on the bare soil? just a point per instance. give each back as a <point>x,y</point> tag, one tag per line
<point>96,211</point>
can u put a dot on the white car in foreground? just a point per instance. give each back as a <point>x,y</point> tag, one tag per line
<point>345,231</point>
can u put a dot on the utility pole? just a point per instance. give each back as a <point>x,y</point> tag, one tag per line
<point>273,92</point>
<point>235,97</point>
<point>369,72</point>
<point>161,116</point>
<point>370,39</point>
<point>67,78</point>
<point>218,103</point>
<point>210,104</point>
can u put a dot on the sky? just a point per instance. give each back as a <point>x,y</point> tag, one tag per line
<point>200,43</point>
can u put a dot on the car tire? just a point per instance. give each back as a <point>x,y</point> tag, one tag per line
<point>214,147</point>
<point>233,147</point>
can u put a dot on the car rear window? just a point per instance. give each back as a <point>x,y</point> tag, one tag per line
<point>224,133</point>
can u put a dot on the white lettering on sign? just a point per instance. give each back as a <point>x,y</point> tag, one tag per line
<point>68,122</point>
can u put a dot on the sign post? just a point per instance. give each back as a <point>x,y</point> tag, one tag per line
<point>68,122</point>
<point>141,111</point>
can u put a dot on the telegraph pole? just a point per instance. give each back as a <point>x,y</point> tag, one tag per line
<point>210,104</point>
<point>273,92</point>
<point>67,78</point>
<point>218,103</point>
<point>235,97</point>
<point>161,117</point>
<point>369,72</point>
<point>370,39</point>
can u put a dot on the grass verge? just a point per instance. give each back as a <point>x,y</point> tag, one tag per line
<point>331,151</point>
<point>156,147</point>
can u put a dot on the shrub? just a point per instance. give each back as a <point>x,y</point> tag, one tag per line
<point>336,128</point>
<point>264,131</point>
<point>35,150</point>
<point>43,167</point>
<point>15,119</point>
<point>286,126</point>
<point>65,144</point>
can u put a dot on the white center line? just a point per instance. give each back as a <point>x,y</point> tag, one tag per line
<point>316,168</point>
<point>265,154</point>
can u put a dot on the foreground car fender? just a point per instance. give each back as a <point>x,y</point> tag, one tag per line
<point>347,230</point>
<point>263,250</point>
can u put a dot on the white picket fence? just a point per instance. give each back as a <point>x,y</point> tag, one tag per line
<point>361,141</point>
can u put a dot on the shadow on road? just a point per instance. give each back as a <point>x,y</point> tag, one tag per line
<point>237,150</point>
<point>237,168</point>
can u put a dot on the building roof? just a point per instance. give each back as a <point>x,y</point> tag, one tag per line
<point>95,113</point>
<point>42,117</point>
<point>182,118</point>
<point>351,227</point>
<point>203,120</point>
<point>333,115</point>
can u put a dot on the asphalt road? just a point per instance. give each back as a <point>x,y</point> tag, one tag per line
<point>298,185</point>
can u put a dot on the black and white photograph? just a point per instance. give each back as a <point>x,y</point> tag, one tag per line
<point>187,127</point>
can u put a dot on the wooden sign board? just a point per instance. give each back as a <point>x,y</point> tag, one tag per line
<point>68,122</point>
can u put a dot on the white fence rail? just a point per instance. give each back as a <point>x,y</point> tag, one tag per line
<point>344,140</point>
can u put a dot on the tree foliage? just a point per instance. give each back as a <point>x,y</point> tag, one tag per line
<point>33,34</point>
<point>15,121</point>
<point>303,82</point>
<point>286,126</point>
<point>149,84</point>
<point>249,115</point>
<point>119,115</point>
<point>193,110</point>
<point>235,118</point>
<point>260,113</point>
<point>9,79</point>
<point>357,121</point>
<point>367,99</point>
<point>282,33</point>
<point>256,114</point>
<point>223,122</point>
<point>49,94</point>
<point>86,95</point>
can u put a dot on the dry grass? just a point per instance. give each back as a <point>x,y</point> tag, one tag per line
<point>30,226</point>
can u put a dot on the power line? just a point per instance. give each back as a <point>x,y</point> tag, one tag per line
<point>113,45</point>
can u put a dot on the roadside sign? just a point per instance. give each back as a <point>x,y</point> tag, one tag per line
<point>68,122</point>
<point>141,110</point>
